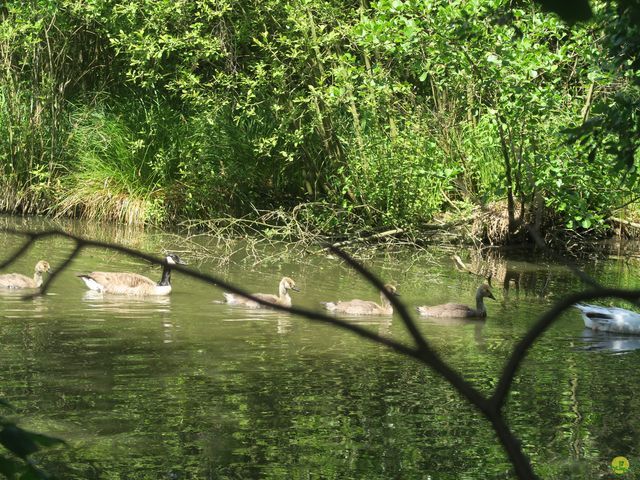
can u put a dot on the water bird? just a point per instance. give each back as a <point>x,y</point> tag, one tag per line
<point>283,298</point>
<point>365,307</point>
<point>17,280</point>
<point>457,310</point>
<point>610,319</point>
<point>125,283</point>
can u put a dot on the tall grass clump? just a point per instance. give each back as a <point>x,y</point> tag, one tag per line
<point>234,166</point>
<point>46,53</point>
<point>110,175</point>
<point>27,133</point>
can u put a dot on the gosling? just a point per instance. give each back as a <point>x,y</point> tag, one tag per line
<point>17,280</point>
<point>283,298</point>
<point>456,310</point>
<point>365,307</point>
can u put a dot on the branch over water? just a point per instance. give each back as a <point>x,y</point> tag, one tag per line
<point>421,350</point>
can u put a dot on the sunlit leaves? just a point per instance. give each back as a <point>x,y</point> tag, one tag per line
<point>276,97</point>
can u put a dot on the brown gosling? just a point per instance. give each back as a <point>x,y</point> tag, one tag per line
<point>17,280</point>
<point>283,298</point>
<point>365,307</point>
<point>456,310</point>
<point>125,283</point>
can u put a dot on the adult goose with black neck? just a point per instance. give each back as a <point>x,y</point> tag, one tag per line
<point>125,283</point>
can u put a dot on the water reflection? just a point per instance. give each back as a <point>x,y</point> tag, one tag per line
<point>17,294</point>
<point>380,324</point>
<point>125,300</point>
<point>513,276</point>
<point>240,314</point>
<point>458,324</point>
<point>609,342</point>
<point>145,386</point>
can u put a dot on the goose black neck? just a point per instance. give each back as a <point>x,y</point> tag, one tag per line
<point>480,308</point>
<point>166,276</point>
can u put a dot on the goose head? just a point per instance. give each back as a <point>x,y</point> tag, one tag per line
<point>42,266</point>
<point>484,291</point>
<point>173,259</point>
<point>288,284</point>
<point>392,290</point>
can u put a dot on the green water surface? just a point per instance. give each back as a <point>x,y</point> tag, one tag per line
<point>184,388</point>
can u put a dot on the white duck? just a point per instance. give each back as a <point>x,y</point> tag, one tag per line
<point>610,319</point>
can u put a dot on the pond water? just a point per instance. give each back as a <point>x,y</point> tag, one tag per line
<point>184,388</point>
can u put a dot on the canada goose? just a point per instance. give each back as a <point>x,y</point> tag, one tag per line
<point>125,283</point>
<point>17,280</point>
<point>365,307</point>
<point>610,319</point>
<point>283,298</point>
<point>456,310</point>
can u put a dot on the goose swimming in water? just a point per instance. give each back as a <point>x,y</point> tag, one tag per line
<point>365,307</point>
<point>283,298</point>
<point>610,319</point>
<point>17,280</point>
<point>125,283</point>
<point>456,310</point>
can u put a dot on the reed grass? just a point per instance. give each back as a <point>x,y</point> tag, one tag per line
<point>109,176</point>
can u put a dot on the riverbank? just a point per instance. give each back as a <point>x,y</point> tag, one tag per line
<point>312,228</point>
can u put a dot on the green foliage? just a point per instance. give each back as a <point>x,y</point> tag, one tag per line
<point>503,83</point>
<point>401,109</point>
<point>46,54</point>
<point>403,179</point>
<point>614,128</point>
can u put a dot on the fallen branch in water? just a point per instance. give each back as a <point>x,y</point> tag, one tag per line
<point>368,238</point>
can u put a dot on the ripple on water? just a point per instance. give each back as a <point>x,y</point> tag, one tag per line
<point>177,385</point>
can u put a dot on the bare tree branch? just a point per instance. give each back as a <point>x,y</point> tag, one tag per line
<point>18,253</point>
<point>544,322</point>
